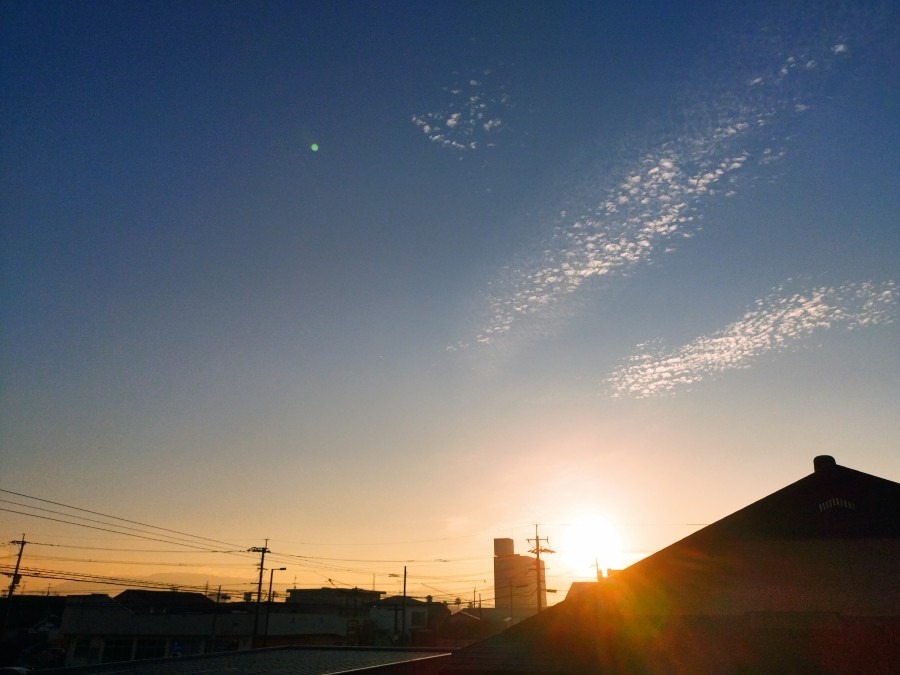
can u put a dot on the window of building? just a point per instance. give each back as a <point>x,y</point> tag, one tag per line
<point>82,649</point>
<point>418,618</point>
<point>117,649</point>
<point>150,648</point>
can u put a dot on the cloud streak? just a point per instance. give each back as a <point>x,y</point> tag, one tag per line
<point>471,117</point>
<point>657,200</point>
<point>779,322</point>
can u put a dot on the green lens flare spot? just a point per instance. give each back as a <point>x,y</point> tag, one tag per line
<point>314,147</point>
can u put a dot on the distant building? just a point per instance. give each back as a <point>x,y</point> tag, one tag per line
<point>32,630</point>
<point>139,624</point>
<point>348,602</point>
<point>142,624</point>
<point>407,621</point>
<point>802,581</point>
<point>517,582</point>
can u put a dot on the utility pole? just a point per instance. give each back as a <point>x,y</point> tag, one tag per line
<point>394,604</point>
<point>403,633</point>
<point>537,550</point>
<point>12,584</point>
<point>262,550</point>
<point>212,638</point>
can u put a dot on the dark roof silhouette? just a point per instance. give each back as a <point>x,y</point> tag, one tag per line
<point>398,600</point>
<point>168,602</point>
<point>832,502</point>
<point>804,580</point>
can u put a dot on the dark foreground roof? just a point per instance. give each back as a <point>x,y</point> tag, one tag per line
<point>833,502</point>
<point>281,661</point>
<point>578,637</point>
<point>802,581</point>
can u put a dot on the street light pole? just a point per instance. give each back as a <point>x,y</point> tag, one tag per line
<point>262,550</point>
<point>269,603</point>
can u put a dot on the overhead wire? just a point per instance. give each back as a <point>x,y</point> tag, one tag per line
<point>106,529</point>
<point>174,540</point>
<point>105,561</point>
<point>106,515</point>
<point>132,550</point>
<point>41,573</point>
<point>320,566</point>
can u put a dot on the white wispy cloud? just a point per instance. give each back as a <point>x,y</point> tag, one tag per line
<point>470,117</point>
<point>781,321</point>
<point>638,214</point>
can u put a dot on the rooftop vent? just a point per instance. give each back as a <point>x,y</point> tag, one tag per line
<point>836,502</point>
<point>823,463</point>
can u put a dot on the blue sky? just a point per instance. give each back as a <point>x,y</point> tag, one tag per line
<point>546,261</point>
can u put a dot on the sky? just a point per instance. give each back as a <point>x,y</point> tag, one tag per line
<point>376,283</point>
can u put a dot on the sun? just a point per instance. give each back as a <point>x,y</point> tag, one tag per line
<point>590,541</point>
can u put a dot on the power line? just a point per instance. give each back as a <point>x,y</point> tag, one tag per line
<point>174,540</point>
<point>105,529</point>
<point>149,584</point>
<point>321,566</point>
<point>103,561</point>
<point>132,550</point>
<point>125,520</point>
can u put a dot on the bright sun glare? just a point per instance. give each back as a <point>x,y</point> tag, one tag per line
<point>588,542</point>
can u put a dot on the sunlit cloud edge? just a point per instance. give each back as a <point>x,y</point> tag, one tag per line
<point>655,203</point>
<point>781,321</point>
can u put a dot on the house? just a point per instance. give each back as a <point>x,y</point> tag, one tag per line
<point>804,580</point>
<point>32,632</point>
<point>352,603</point>
<point>407,621</point>
<point>142,624</point>
<point>468,626</point>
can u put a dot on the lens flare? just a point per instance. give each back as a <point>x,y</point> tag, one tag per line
<point>590,542</point>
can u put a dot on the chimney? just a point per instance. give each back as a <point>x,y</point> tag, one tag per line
<point>823,463</point>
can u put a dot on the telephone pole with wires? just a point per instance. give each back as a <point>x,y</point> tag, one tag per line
<point>537,550</point>
<point>12,584</point>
